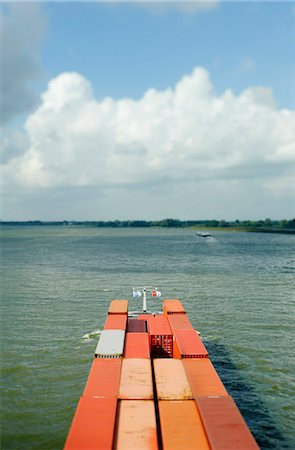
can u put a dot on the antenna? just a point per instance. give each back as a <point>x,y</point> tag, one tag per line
<point>141,291</point>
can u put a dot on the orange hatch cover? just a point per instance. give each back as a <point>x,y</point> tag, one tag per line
<point>93,424</point>
<point>224,424</point>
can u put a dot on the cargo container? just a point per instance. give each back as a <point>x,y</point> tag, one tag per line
<point>145,317</point>
<point>115,322</point>
<point>179,322</point>
<point>171,381</point>
<point>181,426</point>
<point>118,307</point>
<point>155,390</point>
<point>137,429</point>
<point>110,344</point>
<point>224,424</point>
<point>104,378</point>
<point>136,326</point>
<point>161,337</point>
<point>188,344</point>
<point>136,379</point>
<point>173,307</point>
<point>203,378</point>
<point>137,345</point>
<point>93,425</point>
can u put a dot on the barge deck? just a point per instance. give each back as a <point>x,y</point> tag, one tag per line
<point>152,386</point>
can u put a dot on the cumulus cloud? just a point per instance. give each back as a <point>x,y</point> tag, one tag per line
<point>181,136</point>
<point>21,30</point>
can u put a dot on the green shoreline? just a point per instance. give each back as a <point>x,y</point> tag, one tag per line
<point>261,226</point>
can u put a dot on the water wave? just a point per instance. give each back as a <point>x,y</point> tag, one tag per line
<point>88,337</point>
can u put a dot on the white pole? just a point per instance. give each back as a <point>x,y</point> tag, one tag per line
<point>144,300</point>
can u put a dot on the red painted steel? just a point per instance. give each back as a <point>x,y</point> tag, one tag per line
<point>188,344</point>
<point>137,428</point>
<point>173,307</point>
<point>137,345</point>
<point>118,307</point>
<point>224,424</point>
<point>115,322</point>
<point>203,378</point>
<point>161,337</point>
<point>136,326</point>
<point>179,322</point>
<point>93,425</point>
<point>181,426</point>
<point>104,378</point>
<point>145,316</point>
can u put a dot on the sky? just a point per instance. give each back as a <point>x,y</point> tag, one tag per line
<point>147,110</point>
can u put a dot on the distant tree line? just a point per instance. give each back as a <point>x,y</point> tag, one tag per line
<point>246,225</point>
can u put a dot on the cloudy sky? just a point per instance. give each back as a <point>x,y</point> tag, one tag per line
<point>116,110</point>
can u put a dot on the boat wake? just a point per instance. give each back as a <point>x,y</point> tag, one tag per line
<point>88,337</point>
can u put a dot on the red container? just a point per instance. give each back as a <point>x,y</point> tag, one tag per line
<point>93,425</point>
<point>188,344</point>
<point>173,307</point>
<point>181,426</point>
<point>224,424</point>
<point>203,378</point>
<point>115,322</point>
<point>118,307</point>
<point>161,337</point>
<point>179,322</point>
<point>136,326</point>
<point>104,378</point>
<point>137,345</point>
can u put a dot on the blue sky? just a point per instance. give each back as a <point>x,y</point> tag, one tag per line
<point>185,108</point>
<point>126,49</point>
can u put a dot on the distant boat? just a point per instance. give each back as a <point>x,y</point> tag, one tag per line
<point>203,234</point>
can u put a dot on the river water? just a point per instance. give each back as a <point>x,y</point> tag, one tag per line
<point>56,284</point>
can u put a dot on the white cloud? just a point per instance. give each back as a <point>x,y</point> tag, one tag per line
<point>177,137</point>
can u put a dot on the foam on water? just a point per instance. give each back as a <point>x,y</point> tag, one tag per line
<point>89,336</point>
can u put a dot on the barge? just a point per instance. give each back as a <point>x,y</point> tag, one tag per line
<point>152,386</point>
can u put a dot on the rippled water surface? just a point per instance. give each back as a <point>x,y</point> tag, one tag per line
<point>56,285</point>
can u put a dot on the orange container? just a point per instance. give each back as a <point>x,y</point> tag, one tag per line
<point>188,344</point>
<point>173,307</point>
<point>104,378</point>
<point>145,316</point>
<point>136,379</point>
<point>136,426</point>
<point>203,378</point>
<point>159,325</point>
<point>118,307</point>
<point>224,424</point>
<point>93,425</point>
<point>115,322</point>
<point>179,322</point>
<point>137,345</point>
<point>181,426</point>
<point>171,380</point>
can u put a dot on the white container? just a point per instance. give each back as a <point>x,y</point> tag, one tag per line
<point>110,344</point>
